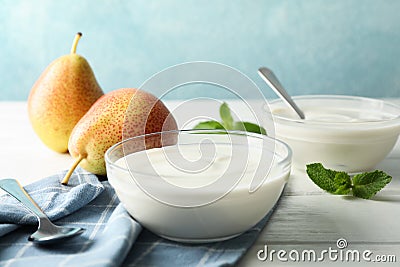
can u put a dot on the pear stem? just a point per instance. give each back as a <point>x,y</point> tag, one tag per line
<point>71,170</point>
<point>75,43</point>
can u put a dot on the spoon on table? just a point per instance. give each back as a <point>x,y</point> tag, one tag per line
<point>47,232</point>
<point>269,77</point>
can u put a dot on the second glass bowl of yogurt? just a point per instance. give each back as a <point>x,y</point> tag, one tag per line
<point>347,133</point>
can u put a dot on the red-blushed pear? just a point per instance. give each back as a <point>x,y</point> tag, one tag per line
<point>64,92</point>
<point>125,112</point>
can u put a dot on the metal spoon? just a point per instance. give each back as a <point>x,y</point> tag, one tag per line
<point>47,232</point>
<point>269,77</point>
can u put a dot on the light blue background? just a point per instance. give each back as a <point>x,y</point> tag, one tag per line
<point>314,46</point>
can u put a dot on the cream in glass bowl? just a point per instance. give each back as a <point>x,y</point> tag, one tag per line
<point>347,133</point>
<point>198,185</point>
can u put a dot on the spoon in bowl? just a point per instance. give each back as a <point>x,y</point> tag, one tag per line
<point>47,232</point>
<point>269,77</point>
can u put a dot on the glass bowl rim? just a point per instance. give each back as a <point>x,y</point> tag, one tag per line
<point>286,159</point>
<point>373,123</point>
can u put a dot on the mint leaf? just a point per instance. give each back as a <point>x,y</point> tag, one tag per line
<point>343,183</point>
<point>249,127</point>
<point>225,113</point>
<point>366,185</point>
<point>229,124</point>
<point>209,125</point>
<point>329,180</point>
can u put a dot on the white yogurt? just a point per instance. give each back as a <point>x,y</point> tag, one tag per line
<point>321,113</point>
<point>189,166</point>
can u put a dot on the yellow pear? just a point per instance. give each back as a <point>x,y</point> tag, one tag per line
<point>64,92</point>
<point>125,112</point>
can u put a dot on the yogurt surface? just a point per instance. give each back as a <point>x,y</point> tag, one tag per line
<point>321,113</point>
<point>192,166</point>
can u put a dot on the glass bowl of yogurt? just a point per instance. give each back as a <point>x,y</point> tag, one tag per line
<point>346,133</point>
<point>198,185</point>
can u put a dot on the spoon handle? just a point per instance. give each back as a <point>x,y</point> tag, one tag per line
<point>14,189</point>
<point>269,77</point>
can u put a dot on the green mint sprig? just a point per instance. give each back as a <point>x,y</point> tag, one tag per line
<point>228,123</point>
<point>364,185</point>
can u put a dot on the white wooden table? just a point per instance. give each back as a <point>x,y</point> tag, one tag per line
<point>307,218</point>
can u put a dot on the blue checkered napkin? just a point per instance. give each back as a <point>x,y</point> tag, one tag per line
<point>151,250</point>
<point>113,238</point>
<point>110,233</point>
<point>55,199</point>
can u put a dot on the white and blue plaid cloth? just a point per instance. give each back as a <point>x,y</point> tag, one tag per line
<point>112,237</point>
